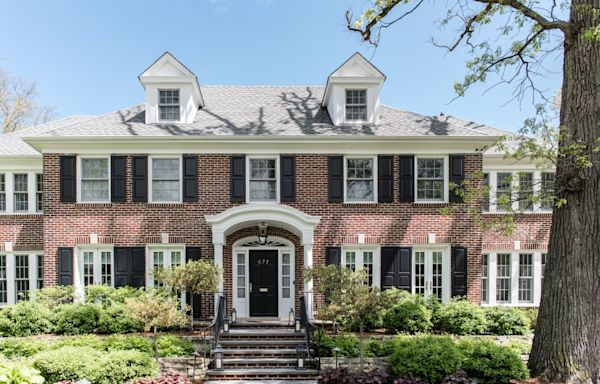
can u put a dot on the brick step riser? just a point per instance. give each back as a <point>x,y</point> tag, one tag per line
<point>259,325</point>
<point>261,337</point>
<point>259,366</point>
<point>262,377</point>
<point>274,348</point>
<point>260,354</point>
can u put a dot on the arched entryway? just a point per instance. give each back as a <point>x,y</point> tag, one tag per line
<point>261,261</point>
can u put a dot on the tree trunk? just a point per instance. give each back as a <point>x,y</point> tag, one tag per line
<point>566,346</point>
<point>154,343</point>
<point>361,340</point>
<point>192,312</point>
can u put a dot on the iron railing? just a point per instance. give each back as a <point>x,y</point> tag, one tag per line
<point>214,329</point>
<point>312,348</point>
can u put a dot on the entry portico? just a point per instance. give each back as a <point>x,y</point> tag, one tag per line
<point>278,251</point>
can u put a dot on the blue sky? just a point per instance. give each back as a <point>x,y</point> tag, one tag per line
<point>86,55</point>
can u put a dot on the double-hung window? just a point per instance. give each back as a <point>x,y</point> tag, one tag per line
<point>547,191</point>
<point>485,203</point>
<point>356,104</point>
<point>168,104</point>
<point>2,192</point>
<point>525,191</point>
<point>366,259</point>
<point>263,179</point>
<point>21,194</point>
<point>166,179</point>
<point>526,277</point>
<point>21,277</point>
<point>503,191</point>
<point>503,282</point>
<point>39,186</point>
<point>431,179</point>
<point>360,179</point>
<point>95,179</point>
<point>485,278</point>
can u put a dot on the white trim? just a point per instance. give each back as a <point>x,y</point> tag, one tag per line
<point>79,172</point>
<point>10,273</point>
<point>277,178</point>
<point>445,183</point>
<point>537,180</point>
<point>360,250</point>
<point>374,176</point>
<point>167,250</point>
<point>150,179</point>
<point>158,105</point>
<point>97,250</point>
<point>10,193</point>
<point>428,250</point>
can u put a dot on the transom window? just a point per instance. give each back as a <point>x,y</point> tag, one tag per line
<point>430,179</point>
<point>166,180</point>
<point>168,104</point>
<point>360,183</point>
<point>263,179</point>
<point>94,179</point>
<point>20,192</point>
<point>2,192</point>
<point>356,104</point>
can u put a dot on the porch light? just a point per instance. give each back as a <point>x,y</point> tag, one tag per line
<point>297,324</point>
<point>262,233</point>
<point>218,356</point>
<point>291,316</point>
<point>226,324</point>
<point>233,316</point>
<point>300,356</point>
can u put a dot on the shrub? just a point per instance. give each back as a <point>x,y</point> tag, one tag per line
<point>408,315</point>
<point>427,357</point>
<point>170,346</point>
<point>324,343</point>
<point>76,363</point>
<point>532,315</point>
<point>114,320</point>
<point>122,343</point>
<point>106,295</point>
<point>52,297</point>
<point>507,321</point>
<point>520,347</point>
<point>77,319</point>
<point>18,373</point>
<point>26,318</point>
<point>91,341</point>
<point>491,363</point>
<point>343,375</point>
<point>461,317</point>
<point>379,348</point>
<point>11,348</point>
<point>349,345</point>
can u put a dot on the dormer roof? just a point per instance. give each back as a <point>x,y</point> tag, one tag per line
<point>167,69</point>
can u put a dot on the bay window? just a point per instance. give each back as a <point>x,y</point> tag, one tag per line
<point>360,179</point>
<point>431,179</point>
<point>262,179</point>
<point>94,179</point>
<point>166,180</point>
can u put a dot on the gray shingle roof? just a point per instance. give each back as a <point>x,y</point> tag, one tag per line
<point>266,110</point>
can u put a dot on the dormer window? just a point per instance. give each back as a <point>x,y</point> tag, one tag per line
<point>356,104</point>
<point>168,104</point>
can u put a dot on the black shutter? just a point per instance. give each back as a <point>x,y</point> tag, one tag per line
<point>65,266</point>
<point>288,178</point>
<point>117,179</point>
<point>407,179</point>
<point>333,256</point>
<point>140,179</point>
<point>68,179</point>
<point>396,268</point>
<point>385,179</point>
<point>120,265</point>
<point>459,271</point>
<point>457,176</point>
<point>238,179</point>
<point>190,178</point>
<point>194,253</point>
<point>336,179</point>
<point>137,277</point>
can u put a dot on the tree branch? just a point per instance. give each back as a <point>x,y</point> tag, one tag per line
<point>530,13</point>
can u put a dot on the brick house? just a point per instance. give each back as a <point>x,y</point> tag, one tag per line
<point>265,181</point>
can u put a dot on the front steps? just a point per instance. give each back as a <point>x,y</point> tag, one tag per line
<point>264,352</point>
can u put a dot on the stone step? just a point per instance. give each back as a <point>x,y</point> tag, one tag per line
<point>246,323</point>
<point>270,343</point>
<point>259,352</point>
<point>260,362</point>
<point>253,332</point>
<point>257,373</point>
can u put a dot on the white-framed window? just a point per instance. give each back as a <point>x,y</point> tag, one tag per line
<point>39,190</point>
<point>168,104</point>
<point>525,192</point>
<point>503,191</point>
<point>21,192</point>
<point>547,191</point>
<point>363,257</point>
<point>360,184</point>
<point>432,178</point>
<point>40,271</point>
<point>526,277</point>
<point>165,179</point>
<point>520,191</point>
<point>96,265</point>
<point>2,192</point>
<point>485,278</point>
<point>20,273</point>
<point>94,179</point>
<point>286,275</point>
<point>431,273</point>
<point>356,104</point>
<point>503,274</point>
<point>543,267</point>
<point>263,179</point>
<point>163,256</point>
<point>485,203</point>
<point>241,275</point>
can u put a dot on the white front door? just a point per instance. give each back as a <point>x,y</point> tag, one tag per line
<point>430,273</point>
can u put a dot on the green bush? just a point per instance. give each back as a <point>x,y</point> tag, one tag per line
<point>76,363</point>
<point>26,318</point>
<point>408,315</point>
<point>78,319</point>
<point>427,357</point>
<point>507,321</point>
<point>52,297</point>
<point>461,317</point>
<point>106,295</point>
<point>11,348</point>
<point>324,343</point>
<point>123,343</point>
<point>349,345</point>
<point>19,373</point>
<point>114,320</point>
<point>91,341</point>
<point>532,315</point>
<point>491,363</point>
<point>379,348</point>
<point>171,346</point>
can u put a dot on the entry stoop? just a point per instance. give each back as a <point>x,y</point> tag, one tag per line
<point>263,352</point>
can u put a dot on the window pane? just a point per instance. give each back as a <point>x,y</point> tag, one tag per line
<point>175,258</point>
<point>359,180</point>
<point>94,168</point>
<point>106,263</point>
<point>263,179</point>
<point>503,278</point>
<point>40,271</point>
<point>503,191</point>
<point>525,278</point>
<point>165,180</point>
<point>525,191</point>
<point>420,273</point>
<point>94,190</point>
<point>3,281</point>
<point>168,104</point>
<point>94,179</point>
<point>547,191</point>
<point>38,191</point>
<point>485,204</point>
<point>356,104</point>
<point>484,279</point>
<point>20,192</point>
<point>88,268</point>
<point>351,260</point>
<point>21,277</point>
<point>165,169</point>
<point>368,266</point>
<point>430,179</point>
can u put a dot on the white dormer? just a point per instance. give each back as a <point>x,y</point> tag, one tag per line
<point>172,92</point>
<point>352,92</point>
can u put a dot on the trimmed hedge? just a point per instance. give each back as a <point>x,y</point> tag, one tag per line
<point>408,315</point>
<point>491,363</point>
<point>461,317</point>
<point>25,318</point>
<point>507,321</point>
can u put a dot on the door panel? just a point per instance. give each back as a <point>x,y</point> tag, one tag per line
<point>264,296</point>
<point>130,267</point>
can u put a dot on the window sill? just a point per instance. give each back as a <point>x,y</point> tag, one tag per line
<point>518,305</point>
<point>94,204</point>
<point>538,213</point>
<point>21,213</point>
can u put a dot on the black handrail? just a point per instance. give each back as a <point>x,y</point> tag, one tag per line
<point>312,349</point>
<point>219,319</point>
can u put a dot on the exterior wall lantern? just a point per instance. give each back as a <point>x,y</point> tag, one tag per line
<point>297,324</point>
<point>226,324</point>
<point>262,233</point>
<point>233,316</point>
<point>291,316</point>
<point>218,356</point>
<point>301,356</point>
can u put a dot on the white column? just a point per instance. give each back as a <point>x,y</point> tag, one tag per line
<point>537,277</point>
<point>492,273</point>
<point>308,286</point>
<point>218,260</point>
<point>77,273</point>
<point>10,278</point>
